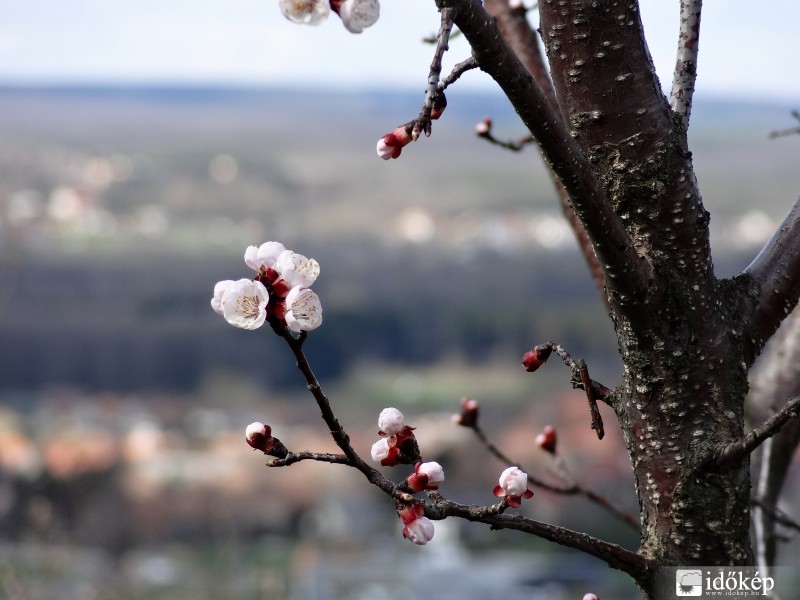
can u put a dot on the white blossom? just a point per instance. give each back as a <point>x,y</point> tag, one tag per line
<point>303,309</point>
<point>244,303</point>
<point>514,481</point>
<point>266,255</point>
<point>219,290</point>
<point>391,421</point>
<point>433,470</point>
<point>296,269</point>
<point>359,14</point>
<point>305,12</point>
<point>419,531</point>
<point>380,450</point>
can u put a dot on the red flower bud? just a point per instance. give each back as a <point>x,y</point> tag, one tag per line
<point>439,104</point>
<point>535,358</point>
<point>390,145</point>
<point>469,413</point>
<point>547,439</point>
<point>259,436</point>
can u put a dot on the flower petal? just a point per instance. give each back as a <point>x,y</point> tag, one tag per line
<point>244,304</point>
<point>303,310</point>
<point>219,290</point>
<point>305,12</point>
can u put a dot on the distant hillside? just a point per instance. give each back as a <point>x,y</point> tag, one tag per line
<point>120,208</point>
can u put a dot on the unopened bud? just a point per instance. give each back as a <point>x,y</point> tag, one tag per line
<point>259,436</point>
<point>469,413</point>
<point>439,104</point>
<point>390,145</point>
<point>547,439</point>
<point>484,128</point>
<point>535,358</point>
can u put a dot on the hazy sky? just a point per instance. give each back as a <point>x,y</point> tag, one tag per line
<point>747,48</point>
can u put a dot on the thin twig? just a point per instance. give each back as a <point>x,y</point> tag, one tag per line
<point>514,146</point>
<point>294,457</point>
<point>785,132</point>
<point>574,489</point>
<point>685,75</point>
<point>777,514</point>
<point>336,430</point>
<point>580,380</point>
<point>432,92</point>
<point>458,70</point>
<point>736,451</point>
<point>616,557</point>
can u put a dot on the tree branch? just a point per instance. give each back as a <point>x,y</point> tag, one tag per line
<point>777,376</point>
<point>336,430</point>
<point>627,274</point>
<point>575,489</point>
<point>785,132</point>
<point>737,451</point>
<point>432,90</point>
<point>294,457</point>
<point>615,556</point>
<point>686,64</point>
<point>774,275</point>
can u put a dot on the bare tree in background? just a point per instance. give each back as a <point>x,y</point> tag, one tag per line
<point>618,152</point>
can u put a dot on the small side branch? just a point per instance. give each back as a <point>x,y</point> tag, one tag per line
<point>337,431</point>
<point>615,556</point>
<point>683,81</point>
<point>294,457</point>
<point>786,132</point>
<point>458,70</point>
<point>573,489</point>
<point>741,448</point>
<point>432,93</point>
<point>484,130</point>
<point>580,379</point>
<point>773,273</point>
<point>776,514</point>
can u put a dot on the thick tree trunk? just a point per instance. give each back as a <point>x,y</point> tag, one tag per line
<point>685,380</point>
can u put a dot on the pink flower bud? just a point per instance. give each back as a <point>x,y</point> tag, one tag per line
<point>419,531</point>
<point>484,128</point>
<point>391,421</point>
<point>535,358</point>
<point>547,439</point>
<point>590,596</point>
<point>426,476</point>
<point>259,436</point>
<point>418,528</point>
<point>469,413</point>
<point>390,145</point>
<point>513,486</point>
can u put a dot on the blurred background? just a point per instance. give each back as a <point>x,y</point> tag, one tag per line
<point>142,151</point>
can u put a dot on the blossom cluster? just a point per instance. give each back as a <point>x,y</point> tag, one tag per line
<point>356,15</point>
<point>397,444</point>
<point>278,294</point>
